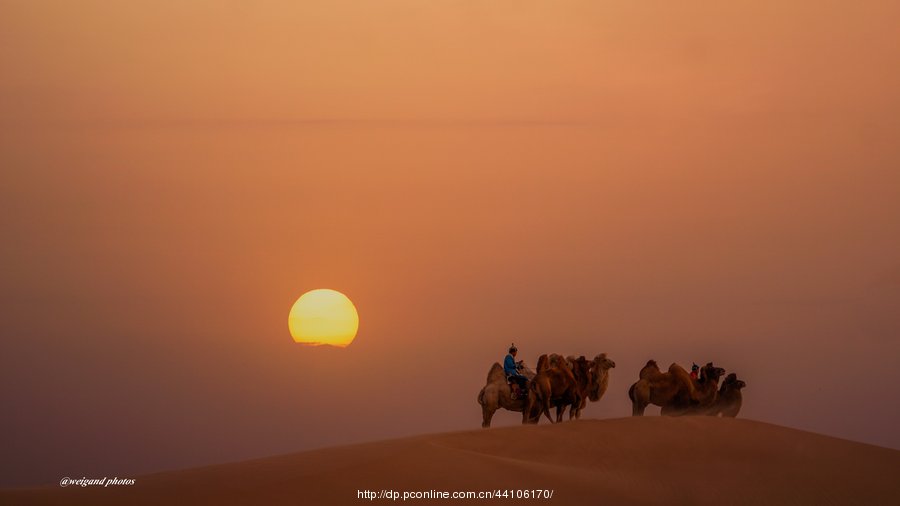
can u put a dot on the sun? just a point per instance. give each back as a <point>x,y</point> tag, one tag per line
<point>322,317</point>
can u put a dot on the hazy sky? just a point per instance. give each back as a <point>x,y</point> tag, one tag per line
<point>686,182</point>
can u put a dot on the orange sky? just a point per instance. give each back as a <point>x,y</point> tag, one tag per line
<point>680,183</point>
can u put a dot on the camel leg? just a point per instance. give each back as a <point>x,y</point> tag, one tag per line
<point>487,415</point>
<point>637,408</point>
<point>580,409</point>
<point>546,411</point>
<point>526,411</point>
<point>576,411</point>
<point>560,409</point>
<point>637,405</point>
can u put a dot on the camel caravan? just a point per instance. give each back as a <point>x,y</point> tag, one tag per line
<point>678,393</point>
<point>560,382</point>
<point>569,382</point>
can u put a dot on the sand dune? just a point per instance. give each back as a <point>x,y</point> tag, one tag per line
<point>696,460</point>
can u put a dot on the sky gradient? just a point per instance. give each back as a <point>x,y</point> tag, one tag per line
<point>687,183</point>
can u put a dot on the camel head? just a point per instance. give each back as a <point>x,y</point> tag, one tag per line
<point>709,372</point>
<point>599,366</point>
<point>602,362</point>
<point>730,379</point>
<point>732,383</point>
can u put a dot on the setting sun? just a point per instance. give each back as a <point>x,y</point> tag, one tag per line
<point>323,317</point>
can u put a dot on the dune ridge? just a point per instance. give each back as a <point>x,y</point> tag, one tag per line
<point>649,460</point>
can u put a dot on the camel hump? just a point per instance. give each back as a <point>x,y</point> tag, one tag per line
<point>675,368</point>
<point>557,360</point>
<point>543,363</point>
<point>649,370</point>
<point>496,373</point>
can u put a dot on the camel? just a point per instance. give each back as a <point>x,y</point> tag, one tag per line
<point>656,387</point>
<point>673,390</point>
<point>539,398</point>
<point>729,399</point>
<point>553,385</point>
<point>497,393</point>
<point>704,391</point>
<point>599,381</point>
<point>582,370</point>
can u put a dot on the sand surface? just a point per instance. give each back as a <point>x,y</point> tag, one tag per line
<point>650,460</point>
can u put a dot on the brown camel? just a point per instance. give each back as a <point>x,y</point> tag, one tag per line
<point>704,391</point>
<point>673,390</point>
<point>553,385</point>
<point>497,393</point>
<point>584,374</point>
<point>599,381</point>
<point>539,393</point>
<point>729,400</point>
<point>656,387</point>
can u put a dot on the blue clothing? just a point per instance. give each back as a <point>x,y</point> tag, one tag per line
<point>509,366</point>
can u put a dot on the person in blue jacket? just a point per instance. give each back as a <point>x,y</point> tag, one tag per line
<point>512,371</point>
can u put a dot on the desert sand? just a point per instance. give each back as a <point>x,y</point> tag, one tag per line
<point>650,460</point>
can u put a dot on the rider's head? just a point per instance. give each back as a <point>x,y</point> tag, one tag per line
<point>695,367</point>
<point>513,350</point>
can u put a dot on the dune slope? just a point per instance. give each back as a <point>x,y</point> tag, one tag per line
<point>651,460</point>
